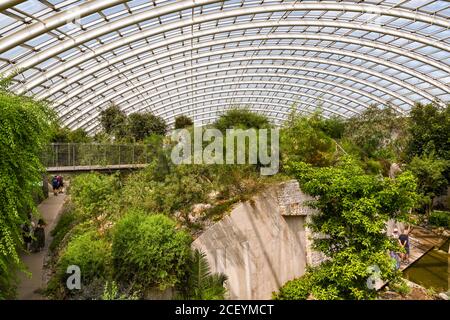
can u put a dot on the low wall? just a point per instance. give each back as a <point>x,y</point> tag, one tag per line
<point>262,243</point>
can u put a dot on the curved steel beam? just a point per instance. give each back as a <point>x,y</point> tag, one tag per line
<point>100,66</point>
<point>189,4</point>
<point>6,4</point>
<point>278,83</point>
<point>40,27</point>
<point>108,47</point>
<point>338,75</point>
<point>357,91</point>
<point>271,57</point>
<point>252,90</point>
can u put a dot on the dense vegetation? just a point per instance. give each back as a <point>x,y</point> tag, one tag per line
<point>131,233</point>
<point>24,128</point>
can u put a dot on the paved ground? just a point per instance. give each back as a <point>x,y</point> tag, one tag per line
<point>49,209</point>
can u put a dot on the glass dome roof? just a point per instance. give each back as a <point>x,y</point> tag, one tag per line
<point>200,57</point>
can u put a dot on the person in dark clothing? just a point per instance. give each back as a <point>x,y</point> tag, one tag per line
<point>38,242</point>
<point>404,243</point>
<point>60,184</point>
<point>26,232</point>
<point>55,185</point>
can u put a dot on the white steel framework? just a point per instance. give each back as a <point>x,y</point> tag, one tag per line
<point>201,57</point>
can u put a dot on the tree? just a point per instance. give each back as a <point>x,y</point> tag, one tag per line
<point>431,174</point>
<point>201,284</point>
<point>302,139</point>
<point>353,208</point>
<point>430,131</point>
<point>182,122</point>
<point>241,118</point>
<point>113,121</point>
<point>378,133</point>
<point>142,125</point>
<point>24,132</point>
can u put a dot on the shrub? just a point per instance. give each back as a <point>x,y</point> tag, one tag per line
<point>91,193</point>
<point>149,251</point>
<point>241,118</point>
<point>183,122</point>
<point>401,287</point>
<point>297,289</point>
<point>65,223</point>
<point>24,131</point>
<point>440,218</point>
<point>89,252</point>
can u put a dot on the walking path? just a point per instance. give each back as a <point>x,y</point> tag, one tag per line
<point>49,209</point>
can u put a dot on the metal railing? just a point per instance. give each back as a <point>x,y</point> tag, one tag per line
<point>93,154</point>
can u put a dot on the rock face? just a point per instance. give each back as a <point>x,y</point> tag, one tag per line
<point>262,243</point>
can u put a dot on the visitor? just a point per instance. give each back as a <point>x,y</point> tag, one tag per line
<point>55,185</point>
<point>394,255</point>
<point>404,243</point>
<point>38,242</point>
<point>27,238</point>
<point>60,184</point>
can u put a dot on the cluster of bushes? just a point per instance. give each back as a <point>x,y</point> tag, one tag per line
<point>24,128</point>
<point>342,163</point>
<point>440,218</point>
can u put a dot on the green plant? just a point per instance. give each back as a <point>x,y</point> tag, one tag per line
<point>90,253</point>
<point>431,173</point>
<point>302,139</point>
<point>182,122</point>
<point>201,284</point>
<point>401,287</point>
<point>297,289</point>
<point>430,131</point>
<point>24,131</point>
<point>148,250</point>
<point>241,118</point>
<point>111,292</point>
<point>353,209</point>
<point>92,193</point>
<point>440,218</point>
<point>65,223</point>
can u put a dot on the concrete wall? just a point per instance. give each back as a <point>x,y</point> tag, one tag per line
<point>261,244</point>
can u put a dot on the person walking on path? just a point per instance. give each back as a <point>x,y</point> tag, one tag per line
<point>55,185</point>
<point>60,184</point>
<point>404,243</point>
<point>38,242</point>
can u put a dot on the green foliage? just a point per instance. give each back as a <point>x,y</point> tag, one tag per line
<point>65,135</point>
<point>353,209</point>
<point>201,284</point>
<point>114,121</point>
<point>142,125</point>
<point>400,286</point>
<point>111,292</point>
<point>430,131</point>
<point>89,252</point>
<point>302,139</point>
<point>92,192</point>
<point>149,251</point>
<point>431,174</point>
<point>440,218</point>
<point>297,289</point>
<point>241,118</point>
<point>24,128</point>
<point>378,133</point>
<point>65,223</point>
<point>182,122</point>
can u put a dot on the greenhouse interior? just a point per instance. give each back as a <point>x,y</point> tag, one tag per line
<point>225,150</point>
